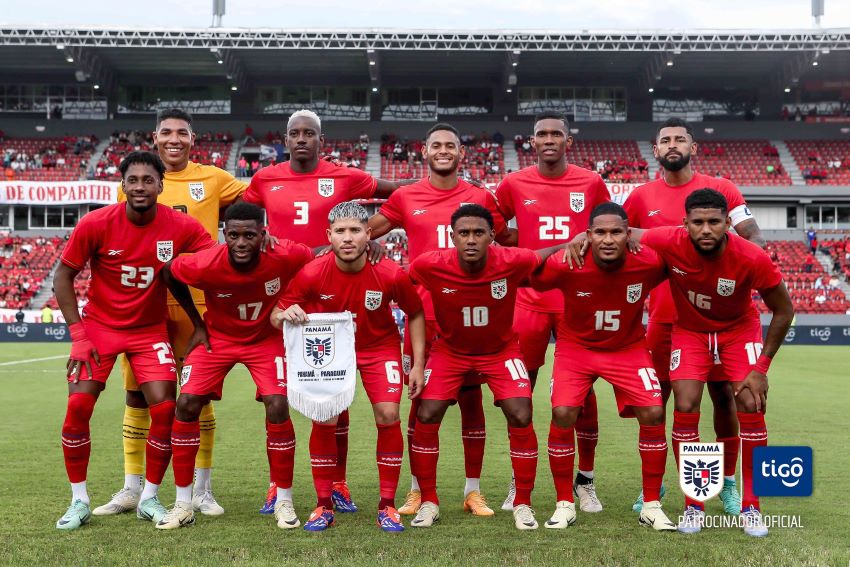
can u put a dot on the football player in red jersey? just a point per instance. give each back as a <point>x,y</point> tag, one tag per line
<point>601,334</point>
<point>346,281</point>
<point>423,210</point>
<point>662,203</point>
<point>473,289</point>
<point>127,245</point>
<point>551,202</point>
<point>240,286</point>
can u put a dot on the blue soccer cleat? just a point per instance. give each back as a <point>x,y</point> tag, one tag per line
<point>271,500</point>
<point>389,520</point>
<point>341,497</point>
<point>320,520</point>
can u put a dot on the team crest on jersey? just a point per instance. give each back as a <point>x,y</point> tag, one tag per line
<point>326,187</point>
<point>273,286</point>
<point>164,250</point>
<point>499,288</point>
<point>577,202</point>
<point>196,190</point>
<point>185,372</point>
<point>427,375</point>
<point>700,466</point>
<point>725,287</point>
<point>633,292</point>
<point>675,358</point>
<point>373,299</point>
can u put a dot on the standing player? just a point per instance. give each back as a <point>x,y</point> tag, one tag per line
<point>551,202</point>
<point>241,286</point>
<point>717,336</point>
<point>127,244</point>
<point>662,203</point>
<point>346,281</point>
<point>199,191</point>
<point>601,334</point>
<point>423,210</point>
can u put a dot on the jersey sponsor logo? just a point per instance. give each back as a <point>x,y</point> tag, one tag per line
<point>577,202</point>
<point>373,299</point>
<point>529,201</point>
<point>584,293</point>
<point>499,288</point>
<point>164,250</point>
<point>419,211</point>
<point>700,467</point>
<point>653,212</point>
<point>678,271</point>
<point>115,252</point>
<point>448,290</point>
<point>633,292</point>
<point>196,190</point>
<point>326,296</point>
<point>725,287</point>
<point>273,286</point>
<point>185,372</point>
<point>326,187</point>
<point>675,358</point>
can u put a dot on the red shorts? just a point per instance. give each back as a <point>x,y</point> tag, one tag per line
<point>203,372</point>
<point>658,342</point>
<point>715,357</point>
<point>146,348</point>
<point>534,329</point>
<point>629,370</point>
<point>504,372</point>
<point>431,335</point>
<point>380,372</point>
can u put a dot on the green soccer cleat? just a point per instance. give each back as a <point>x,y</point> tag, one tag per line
<point>151,510</point>
<point>78,513</point>
<point>730,497</point>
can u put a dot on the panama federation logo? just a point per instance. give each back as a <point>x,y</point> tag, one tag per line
<point>675,358</point>
<point>164,250</point>
<point>326,187</point>
<point>319,345</point>
<point>196,190</point>
<point>499,288</point>
<point>700,467</point>
<point>185,372</point>
<point>577,202</point>
<point>725,287</point>
<point>273,286</point>
<point>373,299</point>
<point>633,292</point>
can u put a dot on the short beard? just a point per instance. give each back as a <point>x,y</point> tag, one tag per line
<point>677,165</point>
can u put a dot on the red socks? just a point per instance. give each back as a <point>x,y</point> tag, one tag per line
<point>523,445</point>
<point>185,440</point>
<point>562,454</point>
<point>323,461</point>
<point>587,433</point>
<point>730,454</point>
<point>424,453</point>
<point>473,432</point>
<point>685,430</point>
<point>76,442</point>
<point>341,446</point>
<point>388,454</point>
<point>652,445</point>
<point>411,426</point>
<point>753,434</point>
<point>280,448</point>
<point>158,449</point>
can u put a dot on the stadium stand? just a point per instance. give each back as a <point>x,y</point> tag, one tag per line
<point>617,161</point>
<point>350,152</point>
<point>822,162</point>
<point>46,159</point>
<point>484,158</point>
<point>25,262</point>
<point>744,162</point>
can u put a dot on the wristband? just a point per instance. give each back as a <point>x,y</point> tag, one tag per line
<point>763,364</point>
<point>78,332</point>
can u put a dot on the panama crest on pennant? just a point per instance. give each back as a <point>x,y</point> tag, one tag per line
<point>164,250</point>
<point>633,292</point>
<point>373,299</point>
<point>273,286</point>
<point>319,347</point>
<point>326,187</point>
<point>725,287</point>
<point>701,470</point>
<point>577,202</point>
<point>196,190</point>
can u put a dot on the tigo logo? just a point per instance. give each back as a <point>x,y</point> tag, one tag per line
<point>782,471</point>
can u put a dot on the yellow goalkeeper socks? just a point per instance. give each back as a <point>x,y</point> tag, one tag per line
<point>137,422</point>
<point>205,452</point>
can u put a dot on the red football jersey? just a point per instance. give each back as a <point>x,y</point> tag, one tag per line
<point>126,290</point>
<point>549,211</point>
<point>321,287</point>
<point>603,310</point>
<point>713,294</point>
<point>239,303</point>
<point>425,212</point>
<point>658,204</point>
<point>475,312</point>
<point>297,204</point>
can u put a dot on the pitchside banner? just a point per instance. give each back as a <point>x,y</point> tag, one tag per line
<point>619,191</point>
<point>58,192</point>
<point>30,316</point>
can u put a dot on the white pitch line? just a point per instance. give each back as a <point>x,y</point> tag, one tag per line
<point>27,361</point>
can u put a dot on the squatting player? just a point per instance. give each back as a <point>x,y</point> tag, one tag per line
<point>241,285</point>
<point>199,191</point>
<point>423,211</point>
<point>601,334</point>
<point>551,202</point>
<point>347,281</point>
<point>127,245</point>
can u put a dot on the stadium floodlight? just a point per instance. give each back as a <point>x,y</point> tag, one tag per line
<point>234,88</point>
<point>509,90</point>
<point>814,63</point>
<point>69,59</point>
<point>651,90</point>
<point>374,89</point>
<point>670,63</point>
<point>96,86</point>
<point>787,89</point>
<point>60,46</point>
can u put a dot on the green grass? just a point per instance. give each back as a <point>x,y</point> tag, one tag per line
<point>808,401</point>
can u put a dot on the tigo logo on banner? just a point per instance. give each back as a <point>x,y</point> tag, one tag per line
<point>782,471</point>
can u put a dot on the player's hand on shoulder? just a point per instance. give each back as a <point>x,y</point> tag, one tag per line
<point>375,251</point>
<point>269,242</point>
<point>575,250</point>
<point>199,337</point>
<point>415,382</point>
<point>634,245</point>
<point>336,161</point>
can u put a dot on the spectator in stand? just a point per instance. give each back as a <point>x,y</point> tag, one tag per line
<point>46,314</point>
<point>819,282</point>
<point>834,282</point>
<point>812,236</point>
<point>242,167</point>
<point>364,138</point>
<point>809,263</point>
<point>255,166</point>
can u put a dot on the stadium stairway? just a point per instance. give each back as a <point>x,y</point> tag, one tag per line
<point>646,153</point>
<point>825,260</point>
<point>235,151</point>
<point>787,161</point>
<point>373,160</point>
<point>46,290</point>
<point>95,159</point>
<point>511,157</point>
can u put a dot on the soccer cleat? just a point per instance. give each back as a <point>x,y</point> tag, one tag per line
<point>389,520</point>
<point>151,509</point>
<point>730,497</point>
<point>691,521</point>
<point>476,505</point>
<point>636,507</point>
<point>508,504</point>
<point>564,516</point>
<point>587,499</point>
<point>271,498</point>
<point>524,517</point>
<point>125,500</point>
<point>753,523</point>
<point>321,519</point>
<point>653,516</point>
<point>284,513</point>
<point>204,502</point>
<point>426,516</point>
<point>411,503</point>
<point>180,516</point>
<point>78,513</point>
<point>341,497</point>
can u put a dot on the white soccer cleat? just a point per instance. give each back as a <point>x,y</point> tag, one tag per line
<point>125,500</point>
<point>180,516</point>
<point>508,504</point>
<point>753,523</point>
<point>653,516</point>
<point>204,502</point>
<point>691,521</point>
<point>524,517</point>
<point>563,517</point>
<point>426,516</point>
<point>284,513</point>
<point>587,499</point>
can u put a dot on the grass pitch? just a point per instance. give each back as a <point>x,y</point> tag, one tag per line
<point>808,406</point>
